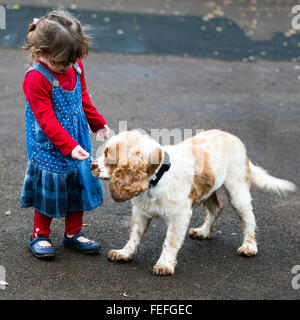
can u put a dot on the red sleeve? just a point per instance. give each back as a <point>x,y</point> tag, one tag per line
<point>95,120</point>
<point>38,92</point>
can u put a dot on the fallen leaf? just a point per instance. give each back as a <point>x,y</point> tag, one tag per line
<point>252,9</point>
<point>218,12</point>
<point>210,4</point>
<point>13,7</point>
<point>7,212</point>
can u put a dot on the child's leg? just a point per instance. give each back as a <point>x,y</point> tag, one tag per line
<point>73,223</point>
<point>39,243</point>
<point>41,225</point>
<point>74,238</point>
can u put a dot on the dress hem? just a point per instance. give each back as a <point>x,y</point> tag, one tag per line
<point>57,217</point>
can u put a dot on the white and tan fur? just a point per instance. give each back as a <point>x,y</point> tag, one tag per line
<point>199,167</point>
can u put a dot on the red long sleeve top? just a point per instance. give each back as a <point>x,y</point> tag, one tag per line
<point>38,92</point>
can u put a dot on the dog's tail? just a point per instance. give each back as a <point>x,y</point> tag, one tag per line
<point>261,179</point>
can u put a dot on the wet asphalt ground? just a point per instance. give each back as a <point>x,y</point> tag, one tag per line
<point>256,100</point>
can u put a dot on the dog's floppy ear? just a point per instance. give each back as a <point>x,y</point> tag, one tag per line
<point>128,180</point>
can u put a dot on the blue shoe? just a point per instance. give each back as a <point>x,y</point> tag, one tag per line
<point>41,251</point>
<point>88,247</point>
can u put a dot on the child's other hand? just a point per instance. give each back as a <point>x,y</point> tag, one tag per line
<point>102,134</point>
<point>79,153</point>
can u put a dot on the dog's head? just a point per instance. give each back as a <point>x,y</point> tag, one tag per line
<point>129,160</point>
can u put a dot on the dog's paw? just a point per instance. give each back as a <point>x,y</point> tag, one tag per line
<point>248,249</point>
<point>163,270</point>
<point>117,255</point>
<point>198,233</point>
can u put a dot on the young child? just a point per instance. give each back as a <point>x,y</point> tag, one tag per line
<point>58,181</point>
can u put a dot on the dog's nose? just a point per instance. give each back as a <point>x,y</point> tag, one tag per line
<point>94,165</point>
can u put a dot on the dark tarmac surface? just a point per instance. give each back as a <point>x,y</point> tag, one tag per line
<point>211,34</point>
<point>258,101</point>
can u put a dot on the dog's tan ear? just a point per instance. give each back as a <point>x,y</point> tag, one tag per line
<point>128,180</point>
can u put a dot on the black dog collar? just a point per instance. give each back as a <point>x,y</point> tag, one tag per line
<point>164,167</point>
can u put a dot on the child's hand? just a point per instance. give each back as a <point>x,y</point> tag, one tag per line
<point>79,153</point>
<point>102,134</point>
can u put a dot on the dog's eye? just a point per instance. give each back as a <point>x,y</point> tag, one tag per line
<point>106,152</point>
<point>112,154</point>
<point>110,157</point>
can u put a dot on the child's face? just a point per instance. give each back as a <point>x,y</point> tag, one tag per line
<point>57,69</point>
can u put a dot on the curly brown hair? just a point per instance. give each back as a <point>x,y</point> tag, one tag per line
<point>59,37</point>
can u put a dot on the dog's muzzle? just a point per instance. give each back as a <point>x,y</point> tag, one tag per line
<point>97,172</point>
<point>94,165</point>
<point>95,168</point>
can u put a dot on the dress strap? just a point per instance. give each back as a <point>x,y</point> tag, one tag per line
<point>38,67</point>
<point>77,68</point>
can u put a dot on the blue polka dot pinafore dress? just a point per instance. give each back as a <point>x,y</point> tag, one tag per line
<point>55,184</point>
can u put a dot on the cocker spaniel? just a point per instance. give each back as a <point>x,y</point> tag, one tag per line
<point>166,181</point>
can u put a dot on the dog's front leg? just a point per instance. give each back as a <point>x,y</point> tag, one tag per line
<point>176,231</point>
<point>139,225</point>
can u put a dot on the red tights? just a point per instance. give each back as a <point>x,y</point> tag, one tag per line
<point>41,227</point>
